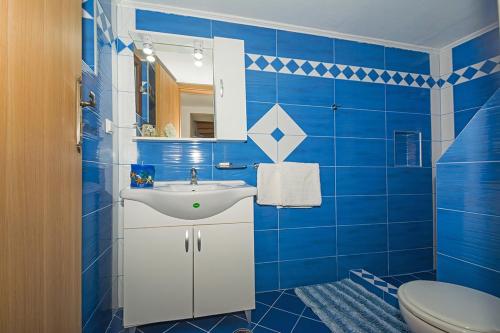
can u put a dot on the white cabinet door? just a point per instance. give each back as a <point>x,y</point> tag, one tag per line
<point>223,268</point>
<point>158,275</point>
<point>230,93</point>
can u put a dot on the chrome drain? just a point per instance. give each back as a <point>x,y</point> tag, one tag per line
<point>242,330</point>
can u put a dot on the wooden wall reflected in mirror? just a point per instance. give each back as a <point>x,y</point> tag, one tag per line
<point>174,94</point>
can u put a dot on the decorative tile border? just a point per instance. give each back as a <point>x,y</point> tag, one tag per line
<point>375,285</point>
<point>303,67</point>
<point>475,71</point>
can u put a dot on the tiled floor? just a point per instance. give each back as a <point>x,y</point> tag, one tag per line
<point>397,280</point>
<point>276,311</point>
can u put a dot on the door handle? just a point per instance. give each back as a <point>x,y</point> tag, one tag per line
<point>221,88</point>
<point>78,114</point>
<point>186,241</point>
<point>199,240</point>
<point>91,102</point>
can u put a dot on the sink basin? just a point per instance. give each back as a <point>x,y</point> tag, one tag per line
<point>182,200</point>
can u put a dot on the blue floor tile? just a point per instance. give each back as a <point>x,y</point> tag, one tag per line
<point>290,303</point>
<point>230,324</point>
<point>116,325</point>
<point>159,327</point>
<point>259,312</point>
<point>290,291</point>
<point>183,327</point>
<point>278,320</point>
<point>267,297</point>
<point>308,326</point>
<point>206,323</point>
<point>261,329</point>
<point>308,313</point>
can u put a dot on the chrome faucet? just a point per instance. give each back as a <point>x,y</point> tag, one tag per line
<point>194,176</point>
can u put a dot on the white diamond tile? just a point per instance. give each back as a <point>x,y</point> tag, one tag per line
<point>286,124</point>
<point>267,123</point>
<point>287,145</point>
<point>267,143</point>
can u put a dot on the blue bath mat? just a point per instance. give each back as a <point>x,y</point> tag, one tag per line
<point>346,307</point>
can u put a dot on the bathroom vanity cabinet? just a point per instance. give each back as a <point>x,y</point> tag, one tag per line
<point>178,269</point>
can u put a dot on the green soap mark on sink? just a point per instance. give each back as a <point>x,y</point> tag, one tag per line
<point>196,205</point>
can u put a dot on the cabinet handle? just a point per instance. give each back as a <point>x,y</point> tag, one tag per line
<point>199,240</point>
<point>221,88</point>
<point>186,241</point>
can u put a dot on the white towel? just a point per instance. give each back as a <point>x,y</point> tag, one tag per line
<point>268,184</point>
<point>289,184</point>
<point>300,184</point>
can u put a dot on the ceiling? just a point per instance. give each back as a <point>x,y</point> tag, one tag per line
<point>427,23</point>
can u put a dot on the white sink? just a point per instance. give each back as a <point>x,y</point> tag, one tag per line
<point>182,200</point>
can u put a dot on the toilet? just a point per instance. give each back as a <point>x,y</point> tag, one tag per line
<point>436,307</point>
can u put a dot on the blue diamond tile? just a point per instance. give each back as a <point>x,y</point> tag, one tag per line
<point>420,80</point>
<point>335,71</point>
<point>441,82</point>
<point>367,276</point>
<point>321,69</point>
<point>431,82</point>
<point>397,78</point>
<point>277,134</point>
<point>248,61</point>
<point>409,79</point>
<point>292,66</point>
<point>453,78</point>
<point>120,45</point>
<point>306,67</point>
<point>277,64</point>
<point>361,73</point>
<point>488,66</point>
<point>385,76</point>
<point>348,72</point>
<point>469,72</point>
<point>262,62</point>
<point>373,75</point>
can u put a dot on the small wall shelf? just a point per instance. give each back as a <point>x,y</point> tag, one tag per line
<point>407,149</point>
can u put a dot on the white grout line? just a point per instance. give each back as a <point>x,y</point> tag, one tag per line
<point>298,319</point>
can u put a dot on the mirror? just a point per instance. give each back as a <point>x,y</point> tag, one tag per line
<point>174,86</point>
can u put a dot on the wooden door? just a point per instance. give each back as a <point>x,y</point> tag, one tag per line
<point>40,169</point>
<point>158,275</point>
<point>223,269</point>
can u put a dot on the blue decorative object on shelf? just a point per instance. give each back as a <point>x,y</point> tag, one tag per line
<point>142,175</point>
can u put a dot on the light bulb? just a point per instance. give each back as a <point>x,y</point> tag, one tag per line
<point>198,63</point>
<point>198,54</point>
<point>150,58</point>
<point>147,48</point>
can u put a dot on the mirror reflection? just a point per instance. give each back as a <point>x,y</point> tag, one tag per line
<point>174,87</point>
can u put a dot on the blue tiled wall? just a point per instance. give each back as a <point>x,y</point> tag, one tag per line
<point>97,169</point>
<point>374,215</point>
<point>469,96</point>
<point>468,197</point>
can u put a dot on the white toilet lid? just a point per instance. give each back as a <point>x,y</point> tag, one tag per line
<point>453,304</point>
